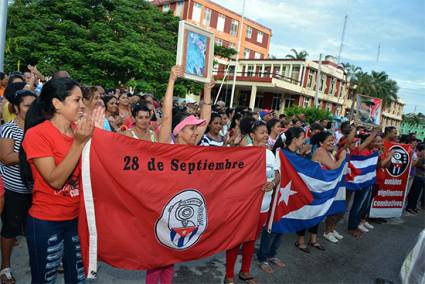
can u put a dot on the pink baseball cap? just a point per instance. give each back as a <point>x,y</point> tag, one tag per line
<point>190,120</point>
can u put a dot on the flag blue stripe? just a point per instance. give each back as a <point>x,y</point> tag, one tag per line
<point>286,225</point>
<point>337,207</point>
<point>312,169</point>
<point>320,198</point>
<point>363,158</point>
<point>366,170</point>
<point>358,186</point>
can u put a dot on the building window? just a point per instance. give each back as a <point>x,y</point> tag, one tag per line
<point>234,28</point>
<point>250,72</point>
<point>322,84</point>
<point>289,101</point>
<point>276,102</point>
<point>331,90</point>
<point>248,32</point>
<point>310,80</point>
<point>207,17</point>
<point>259,101</point>
<point>246,53</point>
<point>220,22</point>
<point>232,45</point>
<point>306,102</point>
<point>295,73</point>
<point>219,42</point>
<point>166,8</point>
<point>257,55</point>
<point>260,37</point>
<point>196,14</point>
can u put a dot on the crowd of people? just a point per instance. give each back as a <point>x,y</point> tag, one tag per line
<point>47,121</point>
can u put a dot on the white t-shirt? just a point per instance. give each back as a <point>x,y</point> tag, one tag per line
<point>271,167</point>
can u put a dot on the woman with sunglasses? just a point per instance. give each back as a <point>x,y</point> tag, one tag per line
<point>258,133</point>
<point>93,100</point>
<point>17,195</point>
<point>179,128</point>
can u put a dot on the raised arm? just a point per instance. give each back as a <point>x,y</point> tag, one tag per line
<point>368,140</point>
<point>167,107</point>
<point>205,110</point>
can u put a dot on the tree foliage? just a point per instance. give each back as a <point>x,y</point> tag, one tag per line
<point>376,84</point>
<point>224,52</point>
<point>108,42</point>
<point>297,55</point>
<point>311,114</point>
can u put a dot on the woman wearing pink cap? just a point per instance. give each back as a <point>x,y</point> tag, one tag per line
<point>180,128</point>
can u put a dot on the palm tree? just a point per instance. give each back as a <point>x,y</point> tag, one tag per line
<point>297,55</point>
<point>377,85</point>
<point>351,70</point>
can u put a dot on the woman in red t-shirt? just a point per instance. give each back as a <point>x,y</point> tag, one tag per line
<point>54,138</point>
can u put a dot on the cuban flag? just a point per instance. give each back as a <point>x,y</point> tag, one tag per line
<point>307,194</point>
<point>361,171</point>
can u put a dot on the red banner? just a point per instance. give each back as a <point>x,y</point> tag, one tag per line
<point>391,194</point>
<point>149,204</point>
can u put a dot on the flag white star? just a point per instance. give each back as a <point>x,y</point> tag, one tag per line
<point>285,192</point>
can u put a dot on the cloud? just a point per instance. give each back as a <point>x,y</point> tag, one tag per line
<point>316,26</point>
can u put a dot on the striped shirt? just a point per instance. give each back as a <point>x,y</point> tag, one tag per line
<point>208,141</point>
<point>11,174</point>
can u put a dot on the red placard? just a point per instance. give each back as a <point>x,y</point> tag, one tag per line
<point>392,193</point>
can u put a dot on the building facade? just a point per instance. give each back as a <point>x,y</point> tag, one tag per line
<point>224,23</point>
<point>281,83</point>
<point>392,114</point>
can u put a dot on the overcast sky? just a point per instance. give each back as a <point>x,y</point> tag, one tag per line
<point>316,26</point>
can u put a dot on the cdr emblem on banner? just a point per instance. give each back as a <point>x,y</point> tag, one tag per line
<point>183,220</point>
<point>399,162</point>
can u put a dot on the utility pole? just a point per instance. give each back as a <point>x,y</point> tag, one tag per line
<point>319,82</point>
<point>3,23</point>
<point>237,56</point>
<point>338,59</point>
<point>379,53</point>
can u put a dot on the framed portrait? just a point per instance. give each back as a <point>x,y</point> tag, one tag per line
<point>195,52</point>
<point>369,110</point>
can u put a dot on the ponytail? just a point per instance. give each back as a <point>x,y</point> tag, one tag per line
<point>41,110</point>
<point>320,137</point>
<point>292,133</point>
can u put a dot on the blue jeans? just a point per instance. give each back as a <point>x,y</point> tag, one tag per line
<point>359,206</point>
<point>49,244</point>
<point>270,243</point>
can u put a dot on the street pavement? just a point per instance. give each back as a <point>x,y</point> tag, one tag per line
<point>378,254</point>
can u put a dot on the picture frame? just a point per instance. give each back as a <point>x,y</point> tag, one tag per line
<point>195,52</point>
<point>368,111</point>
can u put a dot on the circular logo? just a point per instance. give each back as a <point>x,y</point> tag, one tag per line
<point>399,162</point>
<point>183,220</point>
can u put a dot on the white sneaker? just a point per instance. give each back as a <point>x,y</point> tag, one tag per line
<point>330,237</point>
<point>369,226</point>
<point>362,228</point>
<point>337,235</point>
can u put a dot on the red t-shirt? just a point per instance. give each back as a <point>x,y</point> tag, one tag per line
<point>48,203</point>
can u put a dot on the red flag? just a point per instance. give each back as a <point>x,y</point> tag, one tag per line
<point>158,204</point>
<point>293,193</point>
<point>389,201</point>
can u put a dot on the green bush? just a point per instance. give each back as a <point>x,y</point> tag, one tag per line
<point>311,114</point>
